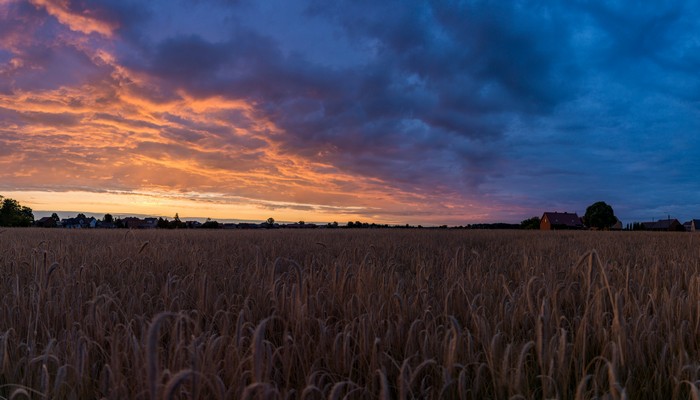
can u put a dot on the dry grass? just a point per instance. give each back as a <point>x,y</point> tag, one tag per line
<point>349,314</point>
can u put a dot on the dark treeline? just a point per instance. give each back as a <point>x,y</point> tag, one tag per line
<point>14,214</point>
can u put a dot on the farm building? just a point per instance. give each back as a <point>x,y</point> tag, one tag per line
<point>695,225</point>
<point>663,225</point>
<point>46,222</point>
<point>138,223</point>
<point>80,222</point>
<point>557,220</point>
<point>617,226</point>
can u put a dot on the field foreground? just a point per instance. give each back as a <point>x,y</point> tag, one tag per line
<point>349,314</point>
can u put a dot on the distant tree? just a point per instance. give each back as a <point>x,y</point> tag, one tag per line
<point>14,214</point>
<point>270,221</point>
<point>531,223</point>
<point>209,224</point>
<point>351,224</point>
<point>163,223</point>
<point>599,215</point>
<point>302,222</point>
<point>81,216</point>
<point>108,218</point>
<point>55,217</point>
<point>176,223</point>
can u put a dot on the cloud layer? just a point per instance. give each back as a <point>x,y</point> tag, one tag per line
<point>396,111</point>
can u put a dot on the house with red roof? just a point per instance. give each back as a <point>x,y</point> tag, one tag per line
<point>558,221</point>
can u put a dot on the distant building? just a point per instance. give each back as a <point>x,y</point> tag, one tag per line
<point>695,225</point>
<point>105,225</point>
<point>617,226</point>
<point>132,222</point>
<point>557,220</point>
<point>79,223</point>
<point>247,225</point>
<point>138,223</point>
<point>663,225</point>
<point>299,225</point>
<point>46,222</point>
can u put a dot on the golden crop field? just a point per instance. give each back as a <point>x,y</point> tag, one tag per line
<point>357,314</point>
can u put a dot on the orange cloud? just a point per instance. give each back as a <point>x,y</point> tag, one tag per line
<point>118,142</point>
<point>79,22</point>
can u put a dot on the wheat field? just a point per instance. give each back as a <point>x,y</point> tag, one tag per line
<point>356,314</point>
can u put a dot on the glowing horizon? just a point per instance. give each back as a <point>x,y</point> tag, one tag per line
<point>214,206</point>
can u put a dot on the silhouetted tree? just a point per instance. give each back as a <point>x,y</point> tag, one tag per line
<point>176,223</point>
<point>14,214</point>
<point>55,217</point>
<point>108,218</point>
<point>531,223</point>
<point>209,224</point>
<point>163,223</point>
<point>599,215</point>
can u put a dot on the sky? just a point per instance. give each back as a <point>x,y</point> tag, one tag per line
<point>446,112</point>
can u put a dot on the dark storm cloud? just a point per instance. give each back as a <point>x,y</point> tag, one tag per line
<point>509,47</point>
<point>459,74</point>
<point>188,59</point>
<point>388,86</point>
<point>429,103</point>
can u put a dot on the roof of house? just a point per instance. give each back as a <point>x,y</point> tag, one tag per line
<point>77,221</point>
<point>660,224</point>
<point>565,218</point>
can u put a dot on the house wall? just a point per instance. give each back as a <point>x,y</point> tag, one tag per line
<point>545,225</point>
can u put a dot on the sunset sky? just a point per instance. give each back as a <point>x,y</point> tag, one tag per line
<point>446,112</point>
